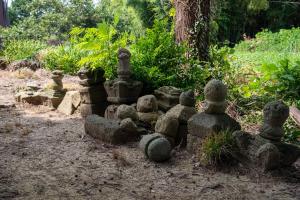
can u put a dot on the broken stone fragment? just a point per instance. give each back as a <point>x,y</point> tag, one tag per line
<point>167,97</point>
<point>111,131</point>
<point>187,99</point>
<point>70,103</point>
<point>147,104</point>
<point>125,111</point>
<point>156,147</point>
<point>167,125</point>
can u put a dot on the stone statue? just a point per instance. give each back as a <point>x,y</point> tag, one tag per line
<point>267,150</point>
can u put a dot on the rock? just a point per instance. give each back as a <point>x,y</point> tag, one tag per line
<point>268,156</point>
<point>187,99</point>
<point>29,97</point>
<point>93,109</point>
<point>109,130</point>
<point>182,113</point>
<point>147,104</point>
<point>167,125</point>
<point>156,147</point>
<point>275,114</point>
<point>167,97</point>
<point>33,65</point>
<point>149,118</point>
<point>128,125</point>
<point>125,111</point>
<point>70,103</point>
<point>111,112</point>
<point>203,124</point>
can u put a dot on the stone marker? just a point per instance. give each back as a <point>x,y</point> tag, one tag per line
<point>266,150</point>
<point>156,147</point>
<point>123,90</point>
<point>183,112</point>
<point>167,97</point>
<point>92,92</point>
<point>126,111</point>
<point>70,103</point>
<point>111,131</point>
<point>147,108</point>
<point>214,119</point>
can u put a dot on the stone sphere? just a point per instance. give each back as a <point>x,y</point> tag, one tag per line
<point>215,90</point>
<point>159,150</point>
<point>125,111</point>
<point>276,113</point>
<point>147,104</point>
<point>187,98</point>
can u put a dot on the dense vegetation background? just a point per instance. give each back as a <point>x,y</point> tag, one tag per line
<point>252,45</point>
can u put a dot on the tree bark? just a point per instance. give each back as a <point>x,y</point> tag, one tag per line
<point>203,32</point>
<point>3,13</point>
<point>192,23</point>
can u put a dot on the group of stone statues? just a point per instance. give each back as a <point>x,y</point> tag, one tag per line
<point>169,119</point>
<point>115,112</point>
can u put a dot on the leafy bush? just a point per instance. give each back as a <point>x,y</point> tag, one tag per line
<point>63,57</point>
<point>157,60</point>
<point>217,148</point>
<point>21,49</point>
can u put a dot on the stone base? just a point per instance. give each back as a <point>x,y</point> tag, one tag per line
<point>108,130</point>
<point>194,144</point>
<point>266,154</point>
<point>90,109</point>
<point>120,100</point>
<point>167,97</point>
<point>203,125</point>
<point>92,94</point>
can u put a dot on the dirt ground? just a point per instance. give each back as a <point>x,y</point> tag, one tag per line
<point>46,155</point>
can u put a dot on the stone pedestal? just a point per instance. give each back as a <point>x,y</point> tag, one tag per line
<point>92,92</point>
<point>214,119</point>
<point>147,110</point>
<point>122,90</point>
<point>167,97</point>
<point>266,150</point>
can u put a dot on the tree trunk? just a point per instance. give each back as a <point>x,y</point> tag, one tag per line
<point>192,23</point>
<point>202,40</point>
<point>3,13</point>
<point>185,19</point>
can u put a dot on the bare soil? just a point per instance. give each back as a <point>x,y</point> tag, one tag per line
<point>46,155</point>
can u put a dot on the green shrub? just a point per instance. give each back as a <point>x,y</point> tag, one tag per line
<point>217,148</point>
<point>63,57</point>
<point>157,60</point>
<point>21,49</point>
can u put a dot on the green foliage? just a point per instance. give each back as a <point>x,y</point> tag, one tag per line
<point>284,41</point>
<point>217,148</point>
<point>63,57</point>
<point>157,60</point>
<point>21,49</point>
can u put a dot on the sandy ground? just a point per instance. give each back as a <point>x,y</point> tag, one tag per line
<point>46,155</point>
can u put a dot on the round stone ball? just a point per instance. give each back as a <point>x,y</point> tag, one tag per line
<point>215,90</point>
<point>276,113</point>
<point>146,104</point>
<point>159,150</point>
<point>125,111</point>
<point>187,99</point>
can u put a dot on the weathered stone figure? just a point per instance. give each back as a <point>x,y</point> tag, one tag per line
<point>123,90</point>
<point>147,108</point>
<point>213,119</point>
<point>267,150</point>
<point>93,95</point>
<point>167,97</point>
